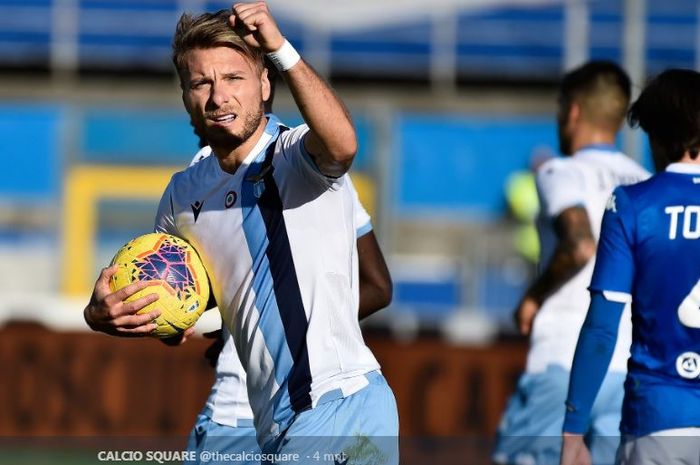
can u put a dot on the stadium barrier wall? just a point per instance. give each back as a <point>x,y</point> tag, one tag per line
<point>85,384</point>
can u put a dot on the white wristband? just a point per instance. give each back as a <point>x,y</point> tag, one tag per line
<point>285,57</point>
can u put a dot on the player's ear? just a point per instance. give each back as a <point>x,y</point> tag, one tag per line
<point>265,88</point>
<point>574,112</point>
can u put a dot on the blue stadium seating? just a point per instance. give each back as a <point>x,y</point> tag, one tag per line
<point>513,42</point>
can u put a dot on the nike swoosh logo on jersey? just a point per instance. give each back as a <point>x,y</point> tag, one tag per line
<point>196,208</point>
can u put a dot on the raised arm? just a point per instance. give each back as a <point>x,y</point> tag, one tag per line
<point>331,140</point>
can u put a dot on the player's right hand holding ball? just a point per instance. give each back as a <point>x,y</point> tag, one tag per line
<point>108,312</point>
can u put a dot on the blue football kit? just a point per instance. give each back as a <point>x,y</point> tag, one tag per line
<point>649,255</point>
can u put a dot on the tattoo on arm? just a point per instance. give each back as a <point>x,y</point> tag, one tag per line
<point>576,246</point>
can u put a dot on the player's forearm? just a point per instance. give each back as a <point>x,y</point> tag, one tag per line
<point>373,298</point>
<point>575,248</point>
<point>594,351</point>
<point>331,141</point>
<point>376,287</point>
<point>568,259</point>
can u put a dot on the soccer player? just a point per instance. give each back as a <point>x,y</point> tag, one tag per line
<point>272,218</point>
<point>649,255</point>
<point>225,424</point>
<point>573,191</point>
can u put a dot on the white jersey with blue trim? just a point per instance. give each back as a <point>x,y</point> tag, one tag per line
<point>228,403</point>
<point>585,179</point>
<point>278,240</point>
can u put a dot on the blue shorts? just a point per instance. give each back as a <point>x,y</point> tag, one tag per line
<point>217,444</point>
<point>531,427</point>
<point>361,428</point>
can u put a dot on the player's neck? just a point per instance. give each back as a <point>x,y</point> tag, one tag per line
<point>591,136</point>
<point>688,159</point>
<point>230,158</point>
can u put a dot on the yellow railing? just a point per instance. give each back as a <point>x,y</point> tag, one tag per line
<point>86,186</point>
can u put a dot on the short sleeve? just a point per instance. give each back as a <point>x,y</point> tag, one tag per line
<point>559,186</point>
<point>294,152</point>
<point>165,217</point>
<point>614,269</point>
<point>363,222</point>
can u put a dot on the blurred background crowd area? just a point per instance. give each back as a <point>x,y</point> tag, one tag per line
<point>454,105</point>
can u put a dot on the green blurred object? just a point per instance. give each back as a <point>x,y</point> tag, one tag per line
<point>527,242</point>
<point>521,195</point>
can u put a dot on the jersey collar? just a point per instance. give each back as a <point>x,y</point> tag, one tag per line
<point>610,148</point>
<point>686,168</point>
<point>271,129</point>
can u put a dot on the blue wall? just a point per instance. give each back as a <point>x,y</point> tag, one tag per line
<point>137,136</point>
<point>444,164</point>
<point>31,151</point>
<point>459,164</point>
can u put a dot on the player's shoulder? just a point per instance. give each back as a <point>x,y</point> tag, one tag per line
<point>203,153</point>
<point>291,135</point>
<point>197,169</point>
<point>642,188</point>
<point>554,164</point>
<point>634,197</point>
<point>630,165</point>
<point>556,172</point>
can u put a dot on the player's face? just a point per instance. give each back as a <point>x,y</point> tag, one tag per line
<point>223,91</point>
<point>564,127</point>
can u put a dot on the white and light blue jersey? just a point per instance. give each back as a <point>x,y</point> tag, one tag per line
<point>278,240</point>
<point>586,179</point>
<point>228,403</point>
<point>649,254</point>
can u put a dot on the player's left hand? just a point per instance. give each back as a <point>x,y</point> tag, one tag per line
<point>214,350</point>
<point>574,450</point>
<point>178,339</point>
<point>254,23</point>
<point>525,314</point>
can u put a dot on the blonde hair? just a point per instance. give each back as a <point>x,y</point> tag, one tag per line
<point>602,89</point>
<point>605,104</point>
<point>209,30</point>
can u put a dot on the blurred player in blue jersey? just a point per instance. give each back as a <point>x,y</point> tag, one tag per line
<point>573,191</point>
<point>649,254</point>
<point>272,217</point>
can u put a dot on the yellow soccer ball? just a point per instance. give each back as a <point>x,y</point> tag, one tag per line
<point>183,286</point>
